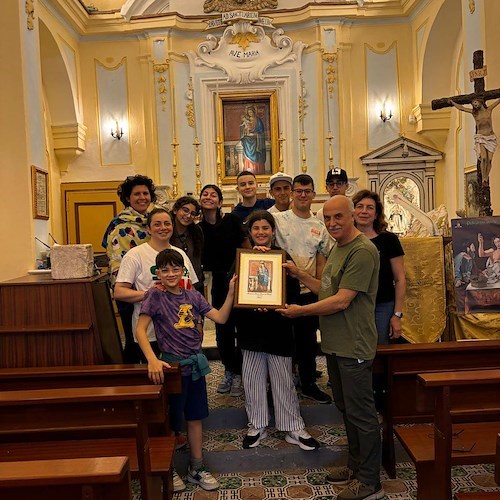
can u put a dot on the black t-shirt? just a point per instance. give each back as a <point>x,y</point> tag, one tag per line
<point>221,241</point>
<point>268,332</point>
<point>261,204</point>
<point>388,246</point>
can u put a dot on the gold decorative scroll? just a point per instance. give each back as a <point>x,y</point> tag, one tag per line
<point>161,81</point>
<point>331,74</point>
<point>424,310</point>
<point>29,7</point>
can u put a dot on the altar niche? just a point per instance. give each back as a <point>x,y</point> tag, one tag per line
<point>485,144</point>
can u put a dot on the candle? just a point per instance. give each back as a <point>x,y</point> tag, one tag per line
<point>327,104</point>
<point>173,110</point>
<point>217,108</point>
<point>302,104</point>
<point>194,113</point>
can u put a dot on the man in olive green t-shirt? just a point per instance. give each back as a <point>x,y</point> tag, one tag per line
<point>346,307</point>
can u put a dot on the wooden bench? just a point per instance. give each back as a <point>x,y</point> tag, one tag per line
<point>401,363</point>
<point>75,479</point>
<point>466,423</point>
<point>125,410</point>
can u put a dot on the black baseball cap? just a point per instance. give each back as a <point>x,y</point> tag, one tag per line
<point>337,173</point>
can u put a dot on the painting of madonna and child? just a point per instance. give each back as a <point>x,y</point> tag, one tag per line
<point>476,260</point>
<point>250,134</point>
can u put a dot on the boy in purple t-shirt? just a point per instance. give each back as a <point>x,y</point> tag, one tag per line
<point>177,316</point>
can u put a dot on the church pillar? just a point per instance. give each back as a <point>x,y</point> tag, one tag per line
<point>21,134</point>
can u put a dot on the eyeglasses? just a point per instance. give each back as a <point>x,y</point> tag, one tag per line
<point>335,183</point>
<point>300,192</point>
<point>186,211</point>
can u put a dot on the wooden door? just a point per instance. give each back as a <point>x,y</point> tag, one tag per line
<point>88,209</point>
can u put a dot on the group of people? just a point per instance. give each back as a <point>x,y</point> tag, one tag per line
<point>345,276</point>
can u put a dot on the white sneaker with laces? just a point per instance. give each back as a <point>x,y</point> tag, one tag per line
<point>236,387</point>
<point>178,483</point>
<point>225,383</point>
<point>203,478</point>
<point>303,439</point>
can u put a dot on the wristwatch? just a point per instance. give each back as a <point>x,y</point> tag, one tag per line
<point>398,314</point>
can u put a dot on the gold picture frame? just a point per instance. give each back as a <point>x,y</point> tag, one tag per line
<point>40,193</point>
<point>261,279</point>
<point>248,127</point>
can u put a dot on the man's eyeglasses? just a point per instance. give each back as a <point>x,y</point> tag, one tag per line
<point>300,192</point>
<point>186,211</point>
<point>335,183</point>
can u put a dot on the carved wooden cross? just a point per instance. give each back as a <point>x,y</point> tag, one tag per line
<point>477,74</point>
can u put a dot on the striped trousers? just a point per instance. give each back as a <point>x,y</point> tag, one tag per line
<point>256,368</point>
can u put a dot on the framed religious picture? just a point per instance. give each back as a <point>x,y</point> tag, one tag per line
<point>248,129</point>
<point>40,191</point>
<point>476,260</point>
<point>471,192</point>
<point>261,279</point>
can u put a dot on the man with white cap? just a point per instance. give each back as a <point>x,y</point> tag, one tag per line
<point>280,188</point>
<point>337,182</point>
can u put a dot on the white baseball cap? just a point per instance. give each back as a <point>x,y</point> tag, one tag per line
<point>280,176</point>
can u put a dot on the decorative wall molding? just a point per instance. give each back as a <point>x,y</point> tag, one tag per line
<point>69,142</point>
<point>244,52</point>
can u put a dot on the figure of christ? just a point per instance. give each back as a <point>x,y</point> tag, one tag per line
<point>485,140</point>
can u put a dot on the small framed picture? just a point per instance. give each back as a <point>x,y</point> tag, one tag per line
<point>261,279</point>
<point>40,188</point>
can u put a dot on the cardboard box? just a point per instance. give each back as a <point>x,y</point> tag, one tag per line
<point>72,261</point>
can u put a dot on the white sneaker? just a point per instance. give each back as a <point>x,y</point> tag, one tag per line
<point>254,437</point>
<point>202,477</point>
<point>236,386</point>
<point>303,439</point>
<point>225,384</point>
<point>178,483</point>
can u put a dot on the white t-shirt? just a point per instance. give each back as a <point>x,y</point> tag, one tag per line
<point>138,268</point>
<point>303,239</point>
<point>273,210</point>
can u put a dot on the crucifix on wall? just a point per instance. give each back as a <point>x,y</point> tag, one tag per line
<point>485,141</point>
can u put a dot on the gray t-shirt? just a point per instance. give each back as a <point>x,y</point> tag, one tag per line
<point>351,333</point>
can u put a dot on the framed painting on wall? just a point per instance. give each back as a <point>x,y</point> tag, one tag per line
<point>248,128</point>
<point>261,279</point>
<point>40,193</point>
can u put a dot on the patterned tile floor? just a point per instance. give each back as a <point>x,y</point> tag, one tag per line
<point>304,483</point>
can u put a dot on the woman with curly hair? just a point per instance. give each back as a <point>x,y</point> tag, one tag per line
<point>128,230</point>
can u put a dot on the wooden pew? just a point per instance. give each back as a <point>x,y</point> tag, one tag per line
<point>466,423</point>
<point>401,363</point>
<point>75,479</point>
<point>57,411</point>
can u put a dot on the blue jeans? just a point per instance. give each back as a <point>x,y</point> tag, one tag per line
<point>383,314</point>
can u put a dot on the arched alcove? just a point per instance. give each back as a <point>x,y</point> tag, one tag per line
<point>61,94</point>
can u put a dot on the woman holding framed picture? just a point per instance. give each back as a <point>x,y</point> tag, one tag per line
<point>266,341</point>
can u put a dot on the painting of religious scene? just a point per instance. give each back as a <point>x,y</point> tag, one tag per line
<point>398,218</point>
<point>250,134</point>
<point>476,260</point>
<point>471,194</point>
<point>260,276</point>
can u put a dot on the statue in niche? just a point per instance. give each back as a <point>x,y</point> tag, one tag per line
<point>485,140</point>
<point>229,5</point>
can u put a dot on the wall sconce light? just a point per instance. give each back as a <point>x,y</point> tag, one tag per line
<point>117,132</point>
<point>383,114</point>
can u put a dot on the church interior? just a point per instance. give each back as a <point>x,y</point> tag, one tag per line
<point>106,89</point>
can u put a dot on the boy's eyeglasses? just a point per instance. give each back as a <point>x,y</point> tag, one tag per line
<point>335,183</point>
<point>300,192</point>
